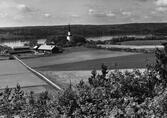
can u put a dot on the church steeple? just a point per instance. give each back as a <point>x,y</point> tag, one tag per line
<point>69,28</point>
<point>69,33</point>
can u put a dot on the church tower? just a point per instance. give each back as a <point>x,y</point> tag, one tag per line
<point>69,33</point>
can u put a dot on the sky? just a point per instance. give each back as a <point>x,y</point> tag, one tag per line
<point>63,12</point>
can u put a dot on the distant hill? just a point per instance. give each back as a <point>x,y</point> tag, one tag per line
<point>36,32</point>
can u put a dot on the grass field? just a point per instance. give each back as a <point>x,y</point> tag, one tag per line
<point>74,55</point>
<point>151,47</point>
<point>122,62</point>
<point>13,73</point>
<point>102,38</point>
<point>63,78</point>
<point>143,42</point>
<point>75,64</point>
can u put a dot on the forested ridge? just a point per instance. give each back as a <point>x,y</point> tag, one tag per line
<point>36,32</point>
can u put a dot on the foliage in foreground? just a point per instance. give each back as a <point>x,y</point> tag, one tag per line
<point>113,94</point>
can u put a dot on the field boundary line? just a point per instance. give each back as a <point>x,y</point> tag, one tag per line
<point>38,74</point>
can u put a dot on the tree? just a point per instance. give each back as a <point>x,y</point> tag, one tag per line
<point>77,40</point>
<point>32,43</point>
<point>39,108</point>
<point>161,66</point>
<point>6,107</point>
<point>67,102</point>
<point>18,100</point>
<point>58,40</point>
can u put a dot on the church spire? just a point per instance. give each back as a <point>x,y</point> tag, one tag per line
<point>69,28</point>
<point>69,33</point>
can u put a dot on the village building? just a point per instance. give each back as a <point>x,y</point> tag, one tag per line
<point>20,50</point>
<point>49,49</point>
<point>36,47</point>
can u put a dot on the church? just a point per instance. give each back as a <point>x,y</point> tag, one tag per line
<point>69,36</point>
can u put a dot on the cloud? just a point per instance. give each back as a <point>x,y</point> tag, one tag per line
<point>161,2</point>
<point>161,9</point>
<point>12,6</point>
<point>126,13</point>
<point>47,15</point>
<point>34,12</point>
<point>110,14</point>
<point>143,0</point>
<point>75,16</point>
<point>98,13</point>
<point>3,15</point>
<point>146,17</point>
<point>91,11</point>
<point>24,8</point>
<point>14,10</point>
<point>161,6</point>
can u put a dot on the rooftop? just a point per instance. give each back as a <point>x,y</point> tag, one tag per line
<point>46,47</point>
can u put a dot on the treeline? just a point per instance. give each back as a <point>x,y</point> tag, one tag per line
<point>118,40</point>
<point>116,94</point>
<point>62,41</point>
<point>37,32</point>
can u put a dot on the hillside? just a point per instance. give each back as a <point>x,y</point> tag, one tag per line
<point>36,32</point>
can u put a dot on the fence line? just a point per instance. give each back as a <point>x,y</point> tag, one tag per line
<point>38,74</point>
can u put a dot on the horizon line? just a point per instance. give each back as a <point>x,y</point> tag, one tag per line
<point>73,24</point>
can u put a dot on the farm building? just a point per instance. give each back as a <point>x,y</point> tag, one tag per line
<point>36,47</point>
<point>19,50</point>
<point>49,49</point>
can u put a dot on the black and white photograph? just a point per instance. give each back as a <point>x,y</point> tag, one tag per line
<point>83,58</point>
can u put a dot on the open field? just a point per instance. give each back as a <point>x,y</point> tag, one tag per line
<point>74,55</point>
<point>65,77</point>
<point>75,64</point>
<point>102,38</point>
<point>132,46</point>
<point>121,62</point>
<point>143,42</point>
<point>3,58</point>
<point>12,73</point>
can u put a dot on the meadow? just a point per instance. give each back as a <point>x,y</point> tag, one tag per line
<point>76,64</point>
<point>143,42</point>
<point>74,55</point>
<point>74,77</point>
<point>121,62</point>
<point>131,46</point>
<point>13,73</point>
